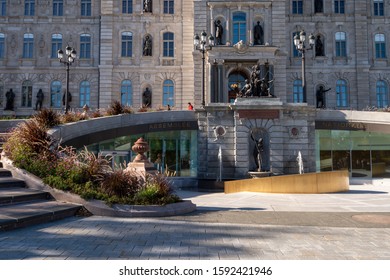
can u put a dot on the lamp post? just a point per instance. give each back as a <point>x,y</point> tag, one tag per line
<point>203,44</point>
<point>67,59</point>
<point>299,42</point>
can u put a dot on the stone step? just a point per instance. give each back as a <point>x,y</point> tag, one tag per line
<point>5,172</point>
<point>15,195</point>
<point>9,182</point>
<point>27,214</point>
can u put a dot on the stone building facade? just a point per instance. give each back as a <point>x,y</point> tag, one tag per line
<point>109,37</point>
<point>143,55</point>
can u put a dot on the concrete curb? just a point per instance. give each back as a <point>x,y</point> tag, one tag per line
<point>97,207</point>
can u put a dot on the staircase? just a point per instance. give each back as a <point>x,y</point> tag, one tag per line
<point>21,207</point>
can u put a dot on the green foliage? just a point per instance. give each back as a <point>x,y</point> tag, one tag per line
<point>82,173</point>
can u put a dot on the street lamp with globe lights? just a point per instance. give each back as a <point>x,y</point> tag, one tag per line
<point>68,58</point>
<point>203,44</point>
<point>299,42</point>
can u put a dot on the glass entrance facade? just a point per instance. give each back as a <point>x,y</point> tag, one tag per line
<point>364,154</point>
<point>173,153</point>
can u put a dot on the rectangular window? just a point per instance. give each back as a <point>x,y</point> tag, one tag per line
<point>169,6</point>
<point>341,44</point>
<point>168,45</point>
<point>56,44</point>
<point>29,7</point>
<point>380,50</point>
<point>85,46</point>
<point>339,7</point>
<point>3,7</point>
<point>297,7</point>
<point>379,9</point>
<point>2,44</point>
<point>127,6</point>
<point>28,46</point>
<point>127,44</point>
<point>27,95</point>
<point>86,8</point>
<point>58,7</point>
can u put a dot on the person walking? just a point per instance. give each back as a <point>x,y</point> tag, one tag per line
<point>190,107</point>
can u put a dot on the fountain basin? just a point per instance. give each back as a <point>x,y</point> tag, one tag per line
<point>259,174</point>
<point>310,183</point>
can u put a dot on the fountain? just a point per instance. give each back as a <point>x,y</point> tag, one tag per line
<point>220,163</point>
<point>300,163</point>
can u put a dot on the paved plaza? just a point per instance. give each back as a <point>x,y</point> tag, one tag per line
<point>348,226</point>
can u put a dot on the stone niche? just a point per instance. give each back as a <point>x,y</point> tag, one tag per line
<point>286,129</point>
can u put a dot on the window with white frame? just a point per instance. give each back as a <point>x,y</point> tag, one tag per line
<point>239,27</point>
<point>55,94</point>
<point>297,7</point>
<point>27,94</point>
<point>86,8</point>
<point>85,93</point>
<point>382,95</point>
<point>168,44</point>
<point>127,44</point>
<point>29,7</point>
<point>168,93</point>
<point>169,7</point>
<point>298,91</point>
<point>58,7</point>
<point>85,46</point>
<point>126,93</point>
<point>56,44</point>
<point>380,46</point>
<point>342,99</point>
<point>28,45</point>
<point>339,6</point>
<point>341,44</point>
<point>379,9</point>
<point>127,6</point>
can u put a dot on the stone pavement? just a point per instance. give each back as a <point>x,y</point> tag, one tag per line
<point>352,225</point>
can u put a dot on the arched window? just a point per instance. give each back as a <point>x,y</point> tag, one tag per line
<point>85,93</point>
<point>341,44</point>
<point>126,93</point>
<point>298,92</point>
<point>28,45</point>
<point>55,94</point>
<point>2,45</point>
<point>239,27</point>
<point>85,46</point>
<point>168,44</point>
<point>127,44</point>
<point>342,93</point>
<point>382,96</point>
<point>168,93</point>
<point>56,44</point>
<point>27,94</point>
<point>380,46</point>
